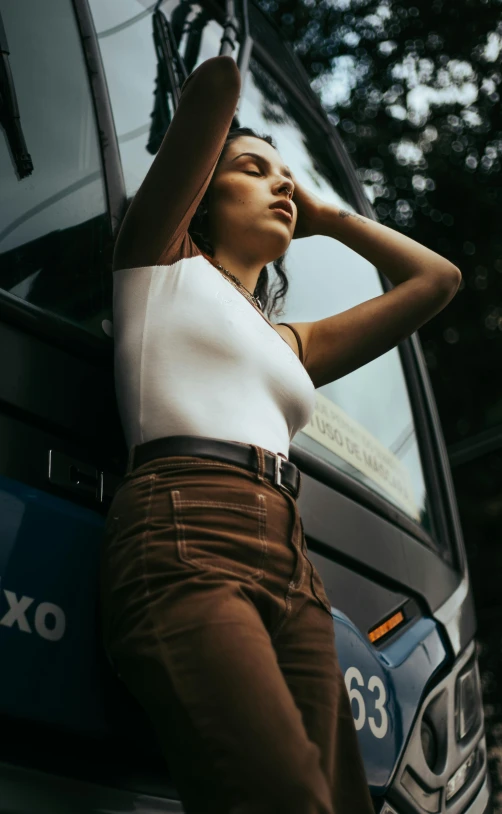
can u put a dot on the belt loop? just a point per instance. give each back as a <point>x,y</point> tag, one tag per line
<point>260,457</point>
<point>130,460</point>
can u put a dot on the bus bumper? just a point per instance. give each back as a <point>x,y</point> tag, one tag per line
<point>480,805</point>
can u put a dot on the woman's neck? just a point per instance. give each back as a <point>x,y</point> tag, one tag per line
<point>246,272</point>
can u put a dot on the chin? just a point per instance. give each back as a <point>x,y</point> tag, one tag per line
<point>279,246</point>
<point>273,243</point>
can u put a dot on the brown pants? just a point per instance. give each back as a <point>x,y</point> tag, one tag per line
<point>218,623</point>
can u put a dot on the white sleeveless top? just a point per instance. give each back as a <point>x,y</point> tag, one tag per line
<point>194,357</point>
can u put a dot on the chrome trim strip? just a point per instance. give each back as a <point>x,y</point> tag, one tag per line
<point>450,613</point>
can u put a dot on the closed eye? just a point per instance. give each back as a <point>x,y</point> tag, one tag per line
<point>250,172</point>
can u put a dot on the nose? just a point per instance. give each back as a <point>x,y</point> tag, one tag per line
<point>288,186</point>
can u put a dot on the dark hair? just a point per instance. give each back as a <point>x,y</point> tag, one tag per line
<point>271,300</point>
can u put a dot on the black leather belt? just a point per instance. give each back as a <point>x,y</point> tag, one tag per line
<point>278,470</point>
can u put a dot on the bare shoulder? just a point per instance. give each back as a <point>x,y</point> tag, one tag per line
<point>302,328</point>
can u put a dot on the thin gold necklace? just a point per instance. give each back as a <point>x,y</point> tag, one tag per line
<point>236,282</point>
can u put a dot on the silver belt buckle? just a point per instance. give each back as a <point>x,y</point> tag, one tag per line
<point>278,464</point>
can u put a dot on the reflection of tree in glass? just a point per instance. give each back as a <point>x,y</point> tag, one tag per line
<point>276,109</point>
<point>275,106</point>
<point>314,177</point>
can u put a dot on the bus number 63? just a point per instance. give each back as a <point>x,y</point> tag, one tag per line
<point>378,727</point>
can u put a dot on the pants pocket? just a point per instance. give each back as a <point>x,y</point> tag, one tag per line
<point>221,535</point>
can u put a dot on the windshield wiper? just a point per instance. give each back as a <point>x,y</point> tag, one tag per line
<point>173,69</point>
<point>227,42</point>
<point>171,73</point>
<point>9,111</point>
<point>194,30</point>
<point>247,42</point>
<point>168,54</point>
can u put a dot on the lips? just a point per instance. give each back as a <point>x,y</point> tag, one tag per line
<point>284,206</point>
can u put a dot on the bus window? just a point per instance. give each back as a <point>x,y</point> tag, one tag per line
<point>53,223</point>
<point>363,422</point>
<point>125,37</point>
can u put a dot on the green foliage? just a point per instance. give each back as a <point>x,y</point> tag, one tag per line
<point>415,94</point>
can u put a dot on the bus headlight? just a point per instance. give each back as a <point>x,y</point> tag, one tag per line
<point>468,703</point>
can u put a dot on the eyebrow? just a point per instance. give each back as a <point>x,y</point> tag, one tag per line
<point>285,170</point>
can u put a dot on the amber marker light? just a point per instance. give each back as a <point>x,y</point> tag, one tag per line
<point>389,624</point>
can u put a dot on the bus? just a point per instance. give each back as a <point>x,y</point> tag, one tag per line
<point>88,89</point>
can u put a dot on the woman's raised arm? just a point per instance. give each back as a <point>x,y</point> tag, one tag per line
<point>161,210</point>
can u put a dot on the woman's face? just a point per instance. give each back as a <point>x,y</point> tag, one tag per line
<point>242,190</point>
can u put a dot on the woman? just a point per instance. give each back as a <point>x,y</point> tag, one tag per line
<point>213,616</point>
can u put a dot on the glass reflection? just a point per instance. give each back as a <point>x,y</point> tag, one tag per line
<point>53,224</point>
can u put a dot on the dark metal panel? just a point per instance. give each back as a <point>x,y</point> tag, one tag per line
<point>363,600</point>
<point>52,388</point>
<point>371,545</point>
<point>24,457</point>
<point>53,329</point>
<point>331,476</point>
<point>344,533</point>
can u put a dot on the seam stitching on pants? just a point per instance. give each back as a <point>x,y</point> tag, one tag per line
<point>291,585</point>
<point>220,505</point>
<point>294,584</point>
<point>178,524</point>
<point>262,531</point>
<point>143,541</point>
